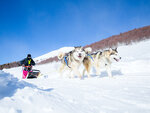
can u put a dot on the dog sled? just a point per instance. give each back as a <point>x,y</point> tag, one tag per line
<point>29,73</point>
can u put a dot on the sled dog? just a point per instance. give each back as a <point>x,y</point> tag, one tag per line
<point>73,60</point>
<point>101,59</point>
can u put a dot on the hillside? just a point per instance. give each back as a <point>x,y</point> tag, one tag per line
<point>127,38</point>
<point>135,35</point>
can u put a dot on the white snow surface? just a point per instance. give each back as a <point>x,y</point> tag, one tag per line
<point>127,92</point>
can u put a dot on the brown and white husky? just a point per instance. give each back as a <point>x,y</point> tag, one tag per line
<point>99,60</point>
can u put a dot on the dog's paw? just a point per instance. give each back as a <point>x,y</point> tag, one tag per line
<point>89,76</point>
<point>82,78</point>
<point>111,77</point>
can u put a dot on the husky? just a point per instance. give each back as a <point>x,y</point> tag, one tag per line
<point>99,60</point>
<point>73,60</point>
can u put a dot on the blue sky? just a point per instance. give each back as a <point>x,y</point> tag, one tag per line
<point>40,26</point>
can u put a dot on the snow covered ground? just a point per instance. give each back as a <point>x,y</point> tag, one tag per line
<point>127,92</point>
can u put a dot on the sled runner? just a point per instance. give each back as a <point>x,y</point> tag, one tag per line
<point>33,74</point>
<point>29,73</point>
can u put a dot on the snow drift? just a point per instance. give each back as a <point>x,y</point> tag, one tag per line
<point>127,92</point>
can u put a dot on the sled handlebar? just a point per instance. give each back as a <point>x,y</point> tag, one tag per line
<point>26,66</point>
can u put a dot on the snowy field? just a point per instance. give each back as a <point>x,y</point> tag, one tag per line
<point>127,92</point>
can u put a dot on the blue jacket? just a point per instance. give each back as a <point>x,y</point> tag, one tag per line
<point>27,62</point>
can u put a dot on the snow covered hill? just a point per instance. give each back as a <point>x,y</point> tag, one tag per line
<point>52,54</point>
<point>127,92</point>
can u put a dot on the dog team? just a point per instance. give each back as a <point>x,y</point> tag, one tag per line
<point>84,56</point>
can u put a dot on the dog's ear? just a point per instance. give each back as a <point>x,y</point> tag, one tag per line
<point>88,50</point>
<point>75,47</point>
<point>116,49</point>
<point>110,49</point>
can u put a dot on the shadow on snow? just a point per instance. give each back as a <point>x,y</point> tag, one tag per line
<point>10,84</point>
<point>104,74</point>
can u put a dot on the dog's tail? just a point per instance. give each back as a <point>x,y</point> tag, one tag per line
<point>61,55</point>
<point>88,50</point>
<point>98,54</point>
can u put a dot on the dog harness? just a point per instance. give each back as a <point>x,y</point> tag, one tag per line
<point>90,56</point>
<point>66,61</point>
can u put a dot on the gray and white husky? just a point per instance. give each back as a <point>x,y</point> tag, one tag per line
<point>73,60</point>
<point>99,60</point>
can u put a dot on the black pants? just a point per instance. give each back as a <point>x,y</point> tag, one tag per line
<point>27,68</point>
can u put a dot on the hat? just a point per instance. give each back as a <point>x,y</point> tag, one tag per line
<point>29,56</point>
